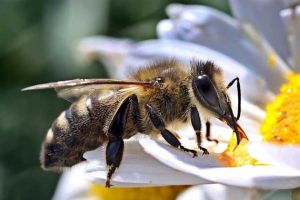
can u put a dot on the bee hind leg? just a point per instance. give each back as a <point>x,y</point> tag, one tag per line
<point>196,123</point>
<point>166,134</point>
<point>115,146</point>
<point>114,154</point>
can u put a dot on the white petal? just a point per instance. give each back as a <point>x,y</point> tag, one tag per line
<point>291,21</point>
<point>146,52</point>
<point>279,155</point>
<point>249,110</point>
<point>137,169</point>
<point>218,191</point>
<point>73,184</point>
<point>165,29</point>
<point>250,120</point>
<point>267,51</point>
<point>264,15</point>
<point>216,30</point>
<point>264,177</point>
<point>174,10</point>
<point>112,51</point>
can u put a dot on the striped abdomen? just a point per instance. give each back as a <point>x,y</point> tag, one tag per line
<point>75,131</point>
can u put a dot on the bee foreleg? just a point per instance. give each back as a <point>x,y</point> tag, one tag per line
<point>115,146</point>
<point>207,124</point>
<point>196,123</point>
<point>239,94</point>
<point>166,134</point>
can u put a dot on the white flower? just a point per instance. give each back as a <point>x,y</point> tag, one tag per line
<point>218,191</point>
<point>259,47</point>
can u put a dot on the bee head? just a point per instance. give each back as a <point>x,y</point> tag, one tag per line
<point>210,92</point>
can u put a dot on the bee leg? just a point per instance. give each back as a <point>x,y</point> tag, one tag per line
<point>115,146</point>
<point>239,94</point>
<point>114,154</point>
<point>207,124</point>
<point>166,134</point>
<point>196,123</point>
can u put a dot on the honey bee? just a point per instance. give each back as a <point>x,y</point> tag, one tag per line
<point>107,110</point>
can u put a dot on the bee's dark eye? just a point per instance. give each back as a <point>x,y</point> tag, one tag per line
<point>205,91</point>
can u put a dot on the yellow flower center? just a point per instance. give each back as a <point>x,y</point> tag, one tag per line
<point>145,193</point>
<point>281,124</point>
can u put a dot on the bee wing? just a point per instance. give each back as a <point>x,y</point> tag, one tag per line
<point>74,93</point>
<point>73,89</point>
<point>71,94</point>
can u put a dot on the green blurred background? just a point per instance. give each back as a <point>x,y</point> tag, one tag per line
<point>38,40</point>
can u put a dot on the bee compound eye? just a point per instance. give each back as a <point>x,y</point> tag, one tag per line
<point>205,90</point>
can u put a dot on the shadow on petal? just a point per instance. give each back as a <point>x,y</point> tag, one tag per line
<point>137,169</point>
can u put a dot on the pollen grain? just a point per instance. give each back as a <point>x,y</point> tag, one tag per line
<point>237,155</point>
<point>281,124</point>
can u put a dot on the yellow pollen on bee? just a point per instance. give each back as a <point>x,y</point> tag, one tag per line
<point>272,59</point>
<point>145,193</point>
<point>281,124</point>
<point>62,122</point>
